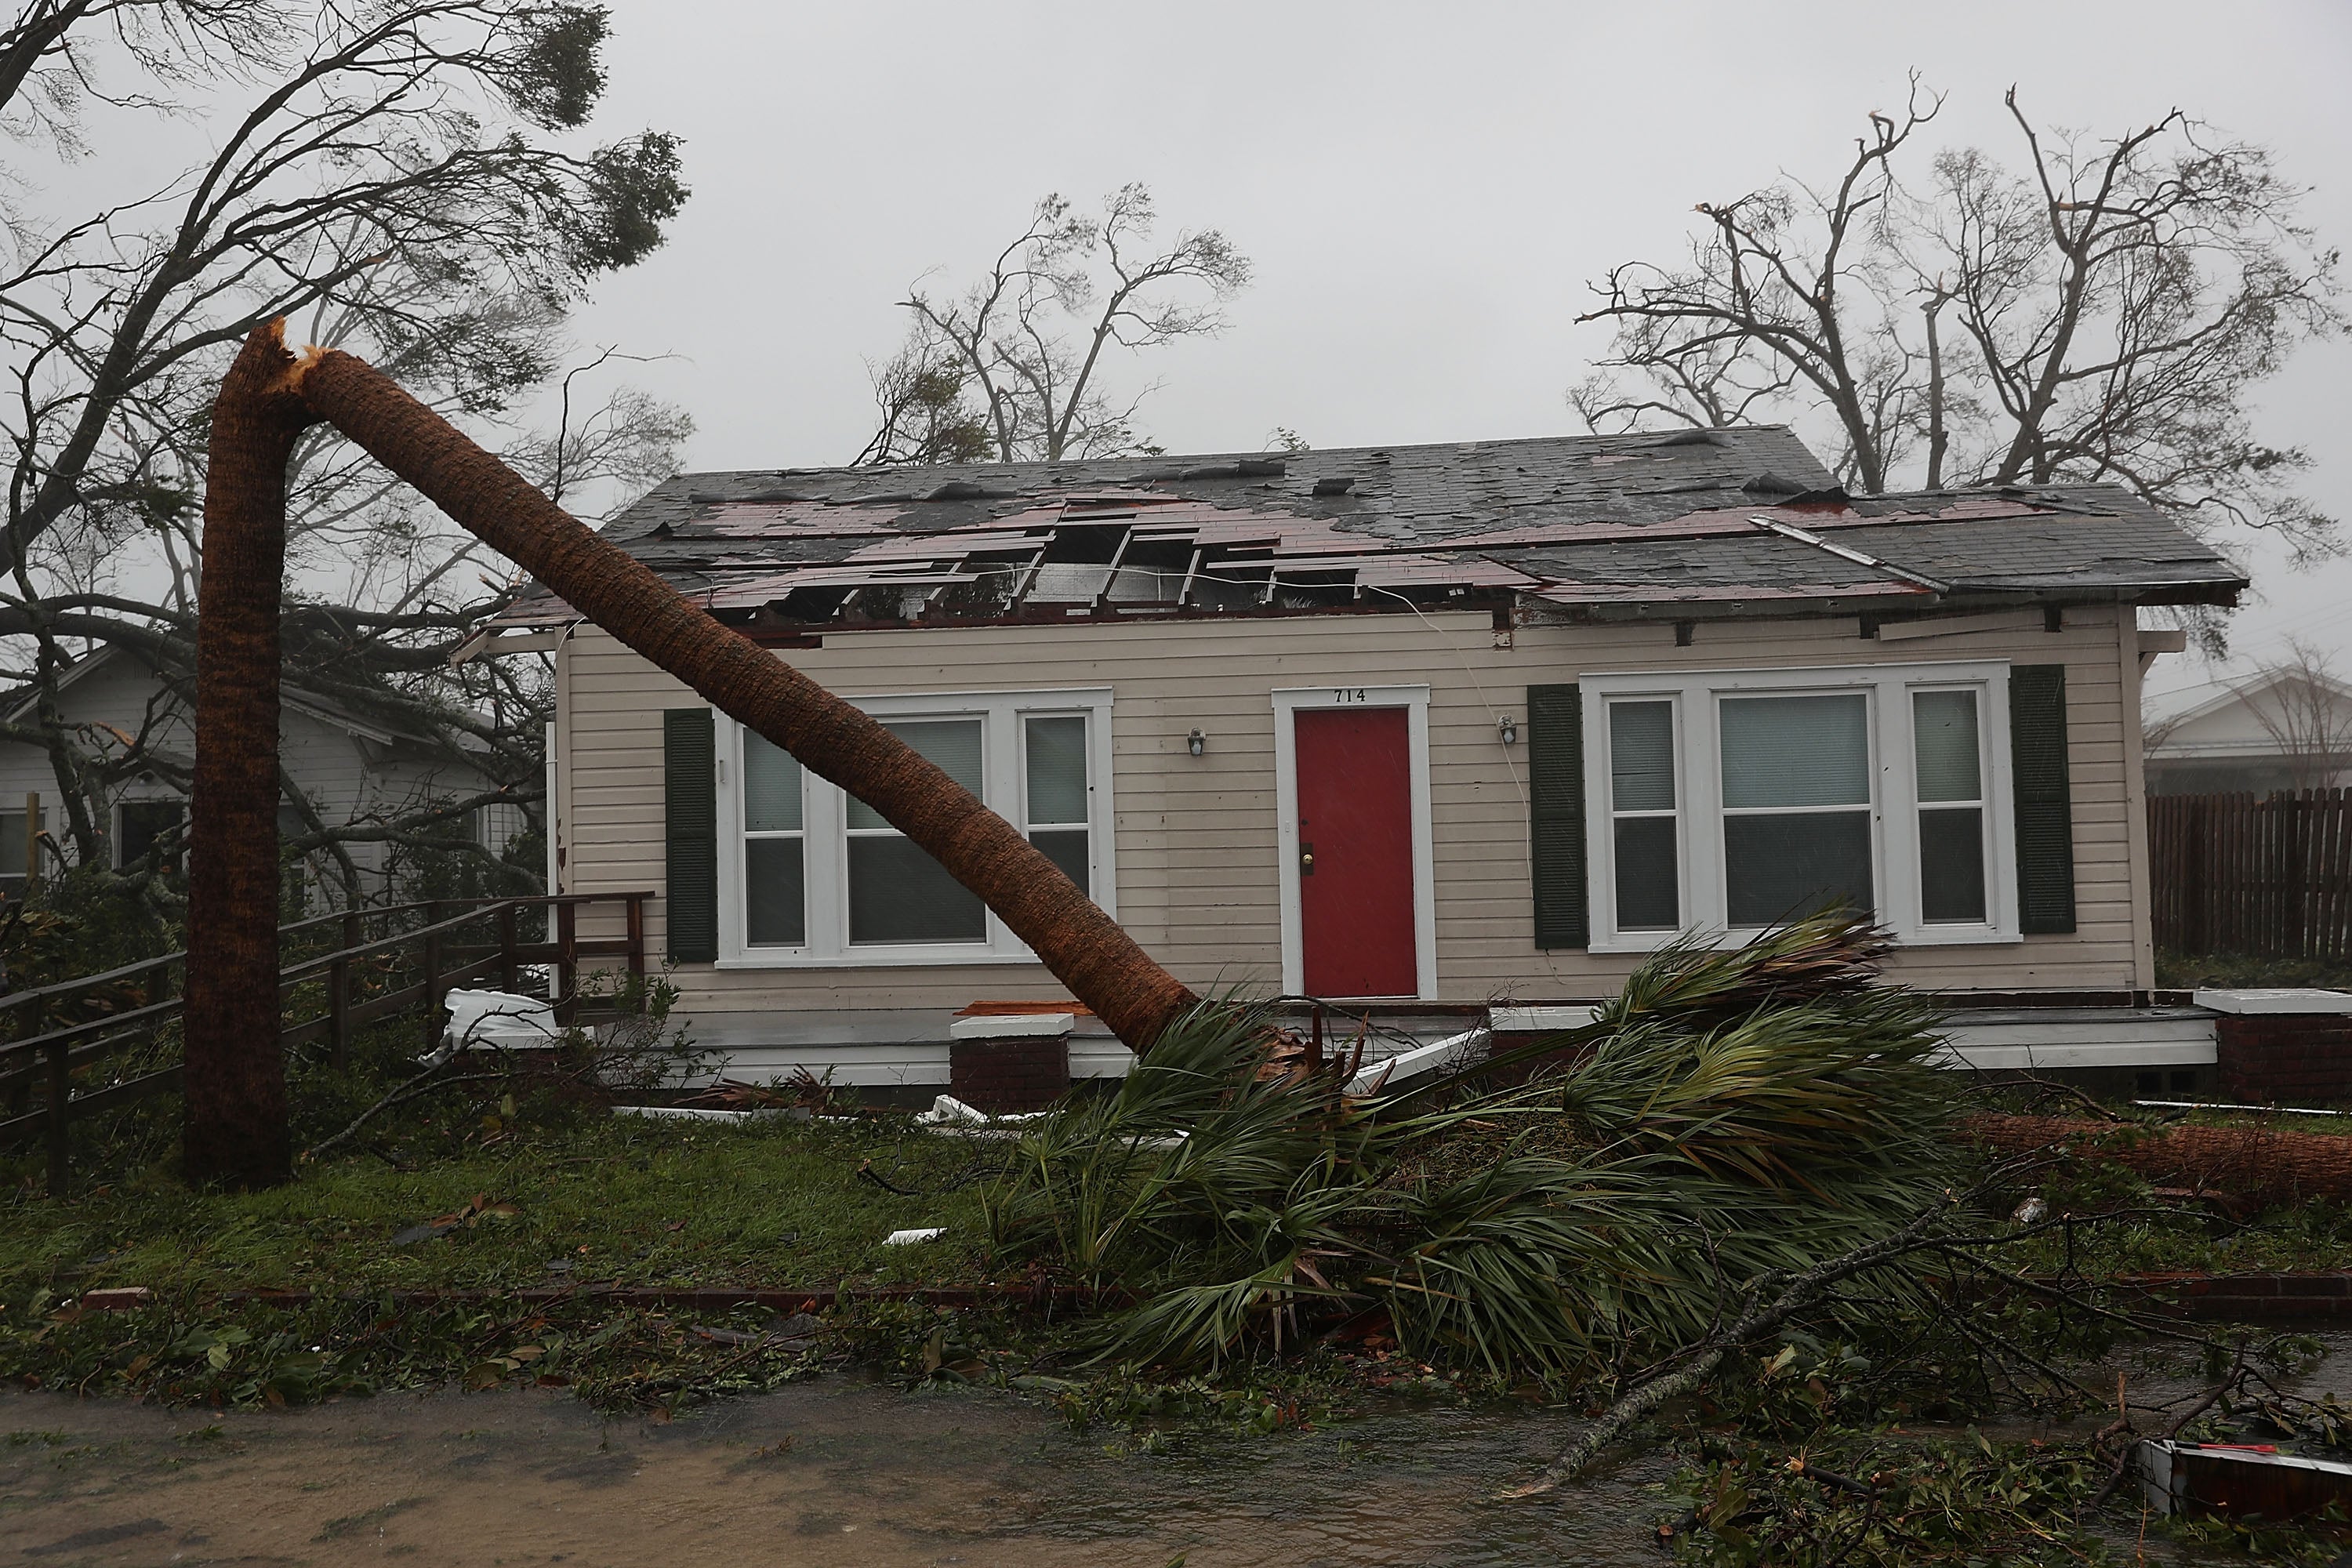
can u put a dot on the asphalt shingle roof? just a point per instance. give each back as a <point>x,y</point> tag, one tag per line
<point>1745,520</point>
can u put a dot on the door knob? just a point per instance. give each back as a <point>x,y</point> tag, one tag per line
<point>1306,859</point>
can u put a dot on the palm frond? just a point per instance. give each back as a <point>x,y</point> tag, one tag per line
<point>1733,1114</point>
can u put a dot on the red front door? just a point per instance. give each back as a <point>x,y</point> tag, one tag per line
<point>1355,851</point>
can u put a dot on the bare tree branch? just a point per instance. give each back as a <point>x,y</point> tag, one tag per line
<point>2104,317</point>
<point>1010,367</point>
<point>403,179</point>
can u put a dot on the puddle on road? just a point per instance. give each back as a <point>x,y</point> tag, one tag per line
<point>832,1472</point>
<point>829,1472</point>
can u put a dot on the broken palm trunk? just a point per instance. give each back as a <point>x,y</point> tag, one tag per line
<point>236,1075</point>
<point>1084,947</point>
<point>2254,1164</point>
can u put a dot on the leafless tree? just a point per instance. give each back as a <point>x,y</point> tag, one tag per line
<point>407,179</point>
<point>2104,316</point>
<point>1009,368</point>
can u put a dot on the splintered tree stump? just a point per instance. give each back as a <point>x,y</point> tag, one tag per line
<point>232,823</point>
<point>234,1078</point>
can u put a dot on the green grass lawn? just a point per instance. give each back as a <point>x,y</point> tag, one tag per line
<point>2238,971</point>
<point>611,1200</point>
<point>562,1196</point>
<point>619,1200</point>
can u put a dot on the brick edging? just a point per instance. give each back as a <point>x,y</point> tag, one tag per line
<point>2262,1294</point>
<point>714,1298</point>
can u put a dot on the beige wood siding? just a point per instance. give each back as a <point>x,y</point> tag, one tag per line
<point>1195,846</point>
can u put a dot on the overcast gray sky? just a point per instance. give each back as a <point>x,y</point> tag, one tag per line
<point>1424,189</point>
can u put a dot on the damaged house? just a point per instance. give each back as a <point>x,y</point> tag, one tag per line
<point>1425,731</point>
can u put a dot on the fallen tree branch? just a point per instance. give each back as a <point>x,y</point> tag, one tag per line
<point>2049,1087</point>
<point>1801,1466</point>
<point>866,1170</point>
<point>414,1087</point>
<point>1789,1296</point>
<point>2123,1462</point>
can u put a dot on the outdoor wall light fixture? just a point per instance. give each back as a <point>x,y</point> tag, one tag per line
<point>1509,729</point>
<point>1196,742</point>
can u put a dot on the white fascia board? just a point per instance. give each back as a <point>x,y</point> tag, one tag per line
<point>1545,1020</point>
<point>2028,1043</point>
<point>2220,752</point>
<point>1012,1026</point>
<point>1099,1058</point>
<point>2279,1001</point>
<point>1381,1075</point>
<point>2036,1058</point>
<point>863,1067</point>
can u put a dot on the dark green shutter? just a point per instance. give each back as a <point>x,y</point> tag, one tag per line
<point>2045,804</point>
<point>691,832</point>
<point>1555,815</point>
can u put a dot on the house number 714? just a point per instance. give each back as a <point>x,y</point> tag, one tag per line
<point>1346,694</point>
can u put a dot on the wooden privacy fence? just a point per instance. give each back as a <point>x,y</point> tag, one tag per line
<point>2268,876</point>
<point>63,1037</point>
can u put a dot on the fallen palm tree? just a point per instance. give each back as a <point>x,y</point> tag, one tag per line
<point>1733,1117</point>
<point>2257,1164</point>
<point>236,1128</point>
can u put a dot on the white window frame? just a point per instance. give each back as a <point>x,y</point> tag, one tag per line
<point>1894,804</point>
<point>1414,700</point>
<point>825,844</point>
<point>1681,814</point>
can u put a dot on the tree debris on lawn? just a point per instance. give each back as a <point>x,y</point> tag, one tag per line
<point>1733,1114</point>
<point>1740,1209</point>
<point>1749,1161</point>
<point>472,1214</point>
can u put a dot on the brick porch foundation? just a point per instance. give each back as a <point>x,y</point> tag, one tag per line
<point>2301,1058</point>
<point>1015,1063</point>
<point>2282,1044</point>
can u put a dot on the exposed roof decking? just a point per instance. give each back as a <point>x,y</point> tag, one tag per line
<point>1709,520</point>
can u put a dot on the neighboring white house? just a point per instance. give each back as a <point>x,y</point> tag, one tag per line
<point>350,770</point>
<point>2282,728</point>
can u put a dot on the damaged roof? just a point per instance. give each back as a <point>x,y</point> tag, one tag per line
<point>1691,523</point>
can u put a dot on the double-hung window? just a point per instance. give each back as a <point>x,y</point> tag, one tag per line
<point>1057,810</point>
<point>776,846</point>
<point>1796,792</point>
<point>1734,800</point>
<point>810,876</point>
<point>1646,827</point>
<point>1947,745</point>
<point>897,893</point>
